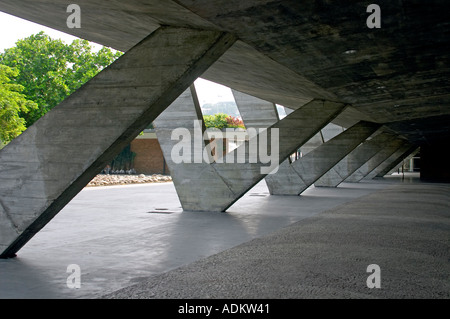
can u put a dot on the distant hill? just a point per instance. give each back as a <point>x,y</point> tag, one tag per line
<point>229,108</point>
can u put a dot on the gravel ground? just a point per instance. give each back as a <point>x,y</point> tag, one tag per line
<point>124,179</point>
<point>403,229</point>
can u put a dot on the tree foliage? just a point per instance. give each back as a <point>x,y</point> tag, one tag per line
<point>222,120</point>
<point>50,70</point>
<point>12,102</point>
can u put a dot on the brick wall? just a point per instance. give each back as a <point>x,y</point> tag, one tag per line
<point>149,158</point>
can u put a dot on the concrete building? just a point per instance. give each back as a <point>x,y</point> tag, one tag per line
<point>382,77</point>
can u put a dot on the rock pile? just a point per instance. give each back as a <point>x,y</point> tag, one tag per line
<point>123,179</point>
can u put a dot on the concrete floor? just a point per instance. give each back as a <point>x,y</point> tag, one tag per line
<point>133,236</point>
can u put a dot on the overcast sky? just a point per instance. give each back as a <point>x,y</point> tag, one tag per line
<point>13,29</point>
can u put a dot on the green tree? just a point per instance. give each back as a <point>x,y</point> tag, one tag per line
<point>12,102</point>
<point>218,121</point>
<point>221,121</point>
<point>50,70</point>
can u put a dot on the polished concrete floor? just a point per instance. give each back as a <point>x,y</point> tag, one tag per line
<point>135,242</point>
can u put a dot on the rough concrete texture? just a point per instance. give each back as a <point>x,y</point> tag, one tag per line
<point>47,165</point>
<point>257,113</point>
<point>194,181</point>
<point>293,131</point>
<point>216,186</point>
<point>325,134</point>
<point>405,147</point>
<point>316,163</point>
<point>376,160</point>
<point>349,164</point>
<point>394,160</point>
<point>291,51</point>
<point>403,229</point>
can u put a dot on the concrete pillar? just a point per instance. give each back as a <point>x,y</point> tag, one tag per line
<point>194,179</point>
<point>215,186</point>
<point>294,130</point>
<point>375,161</point>
<point>400,163</point>
<point>316,163</point>
<point>46,166</point>
<point>325,134</point>
<point>353,161</point>
<point>396,158</point>
<point>257,113</point>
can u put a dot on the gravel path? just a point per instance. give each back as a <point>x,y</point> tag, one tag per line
<point>326,256</point>
<point>124,179</point>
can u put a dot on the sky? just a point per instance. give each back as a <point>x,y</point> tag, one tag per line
<point>13,29</point>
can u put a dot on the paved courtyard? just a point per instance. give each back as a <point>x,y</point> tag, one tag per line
<point>135,242</point>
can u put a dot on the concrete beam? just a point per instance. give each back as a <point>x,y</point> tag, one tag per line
<point>393,156</point>
<point>400,164</point>
<point>376,160</point>
<point>353,161</point>
<point>46,166</point>
<point>325,134</point>
<point>257,113</point>
<point>215,186</point>
<point>194,181</point>
<point>395,159</point>
<point>294,130</point>
<point>316,163</point>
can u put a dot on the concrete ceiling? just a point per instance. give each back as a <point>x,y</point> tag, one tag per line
<point>292,51</point>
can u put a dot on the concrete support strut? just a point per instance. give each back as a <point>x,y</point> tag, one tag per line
<point>376,160</point>
<point>353,161</point>
<point>293,179</point>
<point>215,186</point>
<point>257,113</point>
<point>394,160</point>
<point>45,167</point>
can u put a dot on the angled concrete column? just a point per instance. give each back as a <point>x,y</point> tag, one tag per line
<point>203,186</point>
<point>353,161</point>
<point>389,148</point>
<point>194,179</point>
<point>325,134</point>
<point>46,166</point>
<point>400,163</point>
<point>316,163</point>
<point>396,158</point>
<point>255,113</point>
